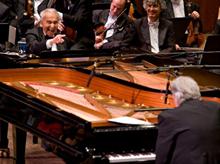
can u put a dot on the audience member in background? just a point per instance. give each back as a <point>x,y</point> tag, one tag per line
<point>217,26</point>
<point>187,8</point>
<point>113,28</point>
<point>154,33</point>
<point>46,36</point>
<point>190,133</point>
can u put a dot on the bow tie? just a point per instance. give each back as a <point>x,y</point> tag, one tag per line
<point>153,24</point>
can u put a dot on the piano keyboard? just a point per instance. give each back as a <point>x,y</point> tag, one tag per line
<point>131,157</point>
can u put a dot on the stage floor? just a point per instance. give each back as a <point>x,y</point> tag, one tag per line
<point>35,154</point>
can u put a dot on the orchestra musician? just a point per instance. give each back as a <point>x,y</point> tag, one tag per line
<point>77,19</point>
<point>217,26</point>
<point>190,133</point>
<point>154,33</point>
<point>46,36</point>
<point>113,28</point>
<point>187,8</point>
<point>28,13</point>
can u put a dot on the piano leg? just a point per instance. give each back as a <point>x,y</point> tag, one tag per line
<point>4,150</point>
<point>19,137</point>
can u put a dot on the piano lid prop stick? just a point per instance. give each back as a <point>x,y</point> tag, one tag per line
<point>77,106</point>
<point>98,105</point>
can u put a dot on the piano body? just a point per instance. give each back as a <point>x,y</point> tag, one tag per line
<point>92,136</point>
<point>55,104</point>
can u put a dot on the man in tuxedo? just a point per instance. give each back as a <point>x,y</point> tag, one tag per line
<point>76,15</point>
<point>154,33</point>
<point>28,13</point>
<point>182,8</point>
<point>217,26</point>
<point>46,36</point>
<point>190,133</point>
<point>188,9</point>
<point>118,30</point>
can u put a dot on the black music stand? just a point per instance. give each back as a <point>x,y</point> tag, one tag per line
<point>180,28</point>
<point>212,44</point>
<point>4,32</point>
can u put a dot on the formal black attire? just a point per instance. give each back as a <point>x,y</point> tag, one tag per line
<point>166,35</point>
<point>26,22</point>
<point>188,8</point>
<point>189,134</point>
<point>217,27</point>
<point>77,14</point>
<point>124,30</point>
<point>36,41</point>
<point>7,15</point>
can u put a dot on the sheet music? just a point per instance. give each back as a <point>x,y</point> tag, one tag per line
<point>129,120</point>
<point>12,35</point>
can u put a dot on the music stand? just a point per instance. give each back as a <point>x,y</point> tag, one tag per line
<point>180,27</point>
<point>212,44</point>
<point>4,32</point>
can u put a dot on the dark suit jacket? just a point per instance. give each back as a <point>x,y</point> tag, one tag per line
<point>217,27</point>
<point>7,11</point>
<point>169,13</point>
<point>166,35</point>
<point>124,30</point>
<point>189,134</point>
<point>78,15</point>
<point>36,41</point>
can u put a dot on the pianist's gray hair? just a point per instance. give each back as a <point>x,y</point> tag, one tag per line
<point>49,10</point>
<point>184,88</point>
<point>161,3</point>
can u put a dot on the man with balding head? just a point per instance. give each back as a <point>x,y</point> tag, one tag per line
<point>47,37</point>
<point>118,28</point>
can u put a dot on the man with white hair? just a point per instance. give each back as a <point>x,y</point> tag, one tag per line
<point>46,36</point>
<point>190,133</point>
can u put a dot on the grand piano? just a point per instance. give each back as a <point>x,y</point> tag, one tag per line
<point>55,105</point>
<point>81,103</point>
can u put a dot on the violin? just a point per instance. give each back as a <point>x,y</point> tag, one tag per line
<point>70,32</point>
<point>101,30</point>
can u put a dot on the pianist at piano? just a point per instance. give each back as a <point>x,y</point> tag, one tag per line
<point>189,134</point>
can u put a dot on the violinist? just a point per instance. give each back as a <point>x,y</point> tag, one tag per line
<point>77,20</point>
<point>113,28</point>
